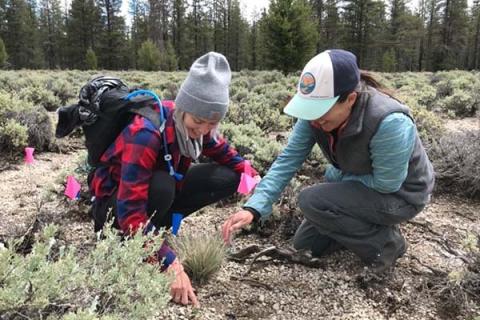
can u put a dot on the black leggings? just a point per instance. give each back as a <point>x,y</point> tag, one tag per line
<point>203,184</point>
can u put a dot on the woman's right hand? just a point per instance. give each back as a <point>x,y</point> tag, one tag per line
<point>181,289</point>
<point>235,222</point>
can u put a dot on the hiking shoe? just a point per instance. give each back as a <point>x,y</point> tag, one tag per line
<point>385,261</point>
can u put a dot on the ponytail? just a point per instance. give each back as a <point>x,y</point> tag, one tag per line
<point>369,80</point>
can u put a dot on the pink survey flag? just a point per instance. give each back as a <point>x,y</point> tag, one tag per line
<point>73,187</point>
<point>29,155</point>
<point>246,185</point>
<point>247,182</point>
<point>247,168</point>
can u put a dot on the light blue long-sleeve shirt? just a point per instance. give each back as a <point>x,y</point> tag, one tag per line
<point>390,150</point>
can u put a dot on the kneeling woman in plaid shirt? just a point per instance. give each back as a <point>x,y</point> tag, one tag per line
<point>144,187</point>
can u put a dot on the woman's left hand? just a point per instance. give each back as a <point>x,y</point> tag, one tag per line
<point>181,289</point>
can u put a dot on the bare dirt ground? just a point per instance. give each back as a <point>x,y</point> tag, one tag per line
<point>32,197</point>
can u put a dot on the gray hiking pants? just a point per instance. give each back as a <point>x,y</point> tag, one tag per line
<point>354,216</point>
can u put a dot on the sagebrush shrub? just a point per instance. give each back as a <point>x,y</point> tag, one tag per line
<point>252,143</point>
<point>455,159</point>
<point>40,97</point>
<point>13,135</point>
<point>111,280</point>
<point>18,117</point>
<point>460,104</point>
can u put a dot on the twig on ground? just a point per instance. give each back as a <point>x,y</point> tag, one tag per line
<point>424,225</point>
<point>470,215</point>
<point>214,294</point>
<point>252,282</point>
<point>435,271</point>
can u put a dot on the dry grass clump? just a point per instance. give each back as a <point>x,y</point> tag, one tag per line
<point>201,254</point>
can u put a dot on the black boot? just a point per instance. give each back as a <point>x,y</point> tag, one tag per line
<point>385,261</point>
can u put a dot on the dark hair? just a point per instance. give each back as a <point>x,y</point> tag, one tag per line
<point>369,80</point>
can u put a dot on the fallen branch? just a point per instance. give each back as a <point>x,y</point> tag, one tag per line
<point>288,255</point>
<point>244,253</point>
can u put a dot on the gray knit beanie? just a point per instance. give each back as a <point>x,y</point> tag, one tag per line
<point>205,90</point>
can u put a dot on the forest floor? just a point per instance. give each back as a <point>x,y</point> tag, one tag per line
<point>339,289</point>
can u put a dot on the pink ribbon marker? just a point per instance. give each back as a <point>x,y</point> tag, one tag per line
<point>29,155</point>
<point>73,187</point>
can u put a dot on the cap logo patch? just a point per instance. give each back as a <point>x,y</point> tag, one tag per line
<point>307,83</point>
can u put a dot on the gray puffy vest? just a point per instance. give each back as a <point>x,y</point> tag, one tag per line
<point>352,153</point>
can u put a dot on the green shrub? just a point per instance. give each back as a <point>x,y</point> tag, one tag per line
<point>62,89</point>
<point>17,117</point>
<point>91,62</point>
<point>13,135</point>
<point>149,56</point>
<point>40,97</point>
<point>252,143</point>
<point>112,280</point>
<point>460,104</point>
<point>201,254</point>
<point>429,125</point>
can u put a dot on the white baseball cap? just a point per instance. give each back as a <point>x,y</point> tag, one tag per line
<point>325,77</point>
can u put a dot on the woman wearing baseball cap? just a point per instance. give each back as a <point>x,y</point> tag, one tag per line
<point>378,175</point>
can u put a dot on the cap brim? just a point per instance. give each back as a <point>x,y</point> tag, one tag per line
<point>308,109</point>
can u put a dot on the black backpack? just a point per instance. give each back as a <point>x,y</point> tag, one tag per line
<point>103,111</point>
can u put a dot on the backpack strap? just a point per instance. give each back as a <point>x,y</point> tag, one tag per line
<point>167,157</point>
<point>150,114</point>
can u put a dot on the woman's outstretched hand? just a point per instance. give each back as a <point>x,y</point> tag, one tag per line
<point>235,222</point>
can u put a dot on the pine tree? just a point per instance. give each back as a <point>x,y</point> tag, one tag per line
<point>3,17</point>
<point>21,36</point>
<point>291,34</point>
<point>475,36</point>
<point>3,54</point>
<point>454,34</point>
<point>91,60</point>
<point>113,47</point>
<point>405,33</point>
<point>83,31</point>
<point>364,23</point>
<point>433,36</point>
<point>168,59</point>
<point>51,32</point>
<point>179,38</point>
<point>139,29</point>
<point>331,25</point>
<point>159,14</point>
<point>149,56</point>
<point>237,53</point>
